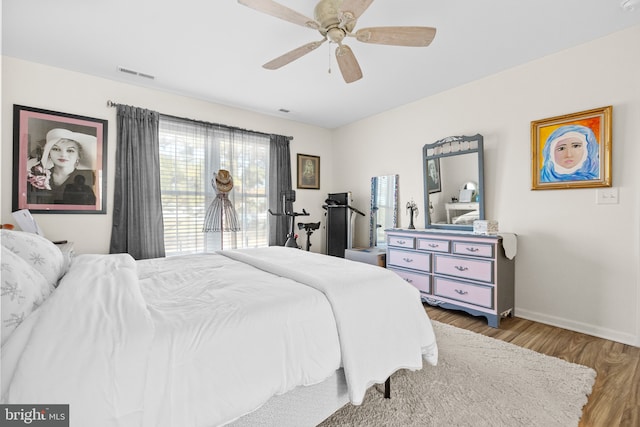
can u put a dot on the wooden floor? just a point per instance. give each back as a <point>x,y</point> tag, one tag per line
<point>615,399</point>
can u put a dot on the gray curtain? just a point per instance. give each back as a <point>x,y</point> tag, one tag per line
<point>137,213</point>
<point>279,181</point>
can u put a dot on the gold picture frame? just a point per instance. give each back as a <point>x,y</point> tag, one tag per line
<point>308,172</point>
<point>572,151</point>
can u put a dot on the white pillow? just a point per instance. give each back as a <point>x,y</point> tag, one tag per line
<point>23,290</point>
<point>467,218</point>
<point>37,251</point>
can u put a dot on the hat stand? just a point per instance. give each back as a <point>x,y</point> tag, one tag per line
<point>221,228</point>
<point>220,212</point>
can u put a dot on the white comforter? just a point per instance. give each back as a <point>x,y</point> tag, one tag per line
<point>87,346</point>
<point>202,340</point>
<point>381,323</point>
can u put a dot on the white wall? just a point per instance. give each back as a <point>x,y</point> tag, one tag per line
<point>49,88</point>
<point>577,262</point>
<point>577,265</point>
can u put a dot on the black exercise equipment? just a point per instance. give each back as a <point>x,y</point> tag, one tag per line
<point>339,215</point>
<point>309,227</point>
<point>288,197</point>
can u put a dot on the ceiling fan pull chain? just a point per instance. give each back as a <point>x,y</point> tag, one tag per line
<point>329,44</point>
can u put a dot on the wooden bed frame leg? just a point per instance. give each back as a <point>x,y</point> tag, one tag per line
<point>387,388</point>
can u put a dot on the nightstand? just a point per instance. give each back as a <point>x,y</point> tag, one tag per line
<point>375,255</point>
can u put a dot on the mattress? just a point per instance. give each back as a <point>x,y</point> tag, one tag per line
<point>301,407</point>
<point>210,339</point>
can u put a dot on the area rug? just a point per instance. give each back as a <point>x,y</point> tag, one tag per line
<point>479,381</point>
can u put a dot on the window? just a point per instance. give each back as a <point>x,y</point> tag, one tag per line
<point>190,153</point>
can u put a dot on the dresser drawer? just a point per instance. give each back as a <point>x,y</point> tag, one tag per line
<point>406,259</point>
<point>420,281</point>
<point>433,245</point>
<point>475,249</point>
<point>467,268</point>
<point>401,241</point>
<point>464,292</point>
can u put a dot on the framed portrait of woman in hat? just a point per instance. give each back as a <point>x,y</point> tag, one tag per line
<point>59,162</point>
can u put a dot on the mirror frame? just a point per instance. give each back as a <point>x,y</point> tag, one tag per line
<point>372,212</point>
<point>453,146</point>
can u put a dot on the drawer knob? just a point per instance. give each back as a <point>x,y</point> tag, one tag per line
<point>401,242</point>
<point>433,245</point>
<point>408,280</point>
<point>461,292</point>
<point>407,259</point>
<point>472,249</point>
<point>461,268</point>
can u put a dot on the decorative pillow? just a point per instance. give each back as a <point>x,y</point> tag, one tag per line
<point>23,290</point>
<point>37,251</point>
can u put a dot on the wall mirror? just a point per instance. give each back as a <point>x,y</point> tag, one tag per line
<point>454,182</point>
<point>384,208</point>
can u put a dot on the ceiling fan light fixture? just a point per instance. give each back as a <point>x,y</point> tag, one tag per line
<point>336,35</point>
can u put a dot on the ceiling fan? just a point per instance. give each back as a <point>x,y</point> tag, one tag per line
<point>335,20</point>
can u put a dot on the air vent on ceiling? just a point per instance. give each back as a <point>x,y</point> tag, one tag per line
<point>136,73</point>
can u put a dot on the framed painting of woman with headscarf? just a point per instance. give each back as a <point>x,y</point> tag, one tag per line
<point>59,162</point>
<point>572,151</point>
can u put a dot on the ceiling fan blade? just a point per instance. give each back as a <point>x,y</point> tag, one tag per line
<point>279,11</point>
<point>397,36</point>
<point>348,64</point>
<point>292,55</point>
<point>356,7</point>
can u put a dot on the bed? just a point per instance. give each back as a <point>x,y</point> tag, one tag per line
<point>202,340</point>
<point>467,218</point>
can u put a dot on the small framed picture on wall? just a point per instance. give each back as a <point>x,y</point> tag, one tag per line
<point>59,162</point>
<point>308,172</point>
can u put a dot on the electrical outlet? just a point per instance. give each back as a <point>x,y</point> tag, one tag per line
<point>607,196</point>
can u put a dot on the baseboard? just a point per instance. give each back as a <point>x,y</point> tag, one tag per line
<point>585,328</point>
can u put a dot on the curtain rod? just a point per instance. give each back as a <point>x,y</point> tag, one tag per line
<point>114,104</point>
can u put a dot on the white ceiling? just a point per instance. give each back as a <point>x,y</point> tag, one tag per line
<point>214,49</point>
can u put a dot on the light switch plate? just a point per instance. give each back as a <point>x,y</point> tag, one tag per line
<point>607,196</point>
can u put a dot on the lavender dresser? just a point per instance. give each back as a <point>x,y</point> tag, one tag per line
<point>456,270</point>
